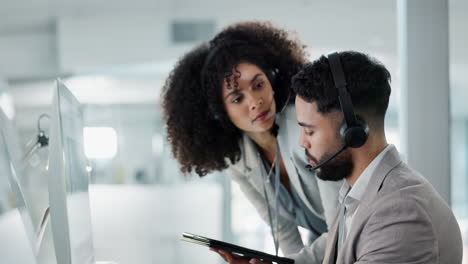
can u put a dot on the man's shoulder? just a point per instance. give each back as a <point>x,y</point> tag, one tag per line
<point>404,190</point>
<point>402,219</point>
<point>403,180</point>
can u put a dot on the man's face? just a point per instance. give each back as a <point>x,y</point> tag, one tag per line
<point>320,139</point>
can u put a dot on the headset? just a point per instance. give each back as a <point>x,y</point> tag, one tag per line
<point>354,131</point>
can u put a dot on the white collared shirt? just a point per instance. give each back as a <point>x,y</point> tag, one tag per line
<point>354,196</point>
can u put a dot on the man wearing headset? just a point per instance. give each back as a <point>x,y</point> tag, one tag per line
<point>388,213</point>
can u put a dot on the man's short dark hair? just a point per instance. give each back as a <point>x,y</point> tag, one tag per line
<point>368,83</point>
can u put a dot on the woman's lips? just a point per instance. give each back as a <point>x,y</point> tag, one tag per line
<point>262,117</point>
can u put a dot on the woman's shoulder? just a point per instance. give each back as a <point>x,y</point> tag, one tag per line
<point>288,117</point>
<point>248,156</point>
<point>289,112</point>
<point>289,130</point>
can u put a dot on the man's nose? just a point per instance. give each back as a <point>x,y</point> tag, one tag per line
<point>303,142</point>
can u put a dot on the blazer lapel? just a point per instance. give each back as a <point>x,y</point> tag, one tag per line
<point>254,169</point>
<point>388,162</point>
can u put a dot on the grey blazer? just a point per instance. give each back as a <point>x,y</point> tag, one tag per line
<point>401,219</point>
<point>320,197</point>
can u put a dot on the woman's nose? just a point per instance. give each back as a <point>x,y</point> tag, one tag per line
<point>256,102</point>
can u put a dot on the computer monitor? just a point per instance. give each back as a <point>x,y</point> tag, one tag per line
<point>5,189</point>
<point>10,167</point>
<point>68,181</point>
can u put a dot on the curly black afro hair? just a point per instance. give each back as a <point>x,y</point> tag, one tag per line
<point>202,137</point>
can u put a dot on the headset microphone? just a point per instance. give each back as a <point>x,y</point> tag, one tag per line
<point>312,168</point>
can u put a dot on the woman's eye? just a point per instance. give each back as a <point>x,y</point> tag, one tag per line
<point>259,85</point>
<point>309,133</point>
<point>236,100</point>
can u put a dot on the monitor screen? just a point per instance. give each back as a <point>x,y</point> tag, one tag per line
<point>68,181</point>
<point>11,170</point>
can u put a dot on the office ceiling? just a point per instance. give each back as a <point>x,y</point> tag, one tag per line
<point>41,40</point>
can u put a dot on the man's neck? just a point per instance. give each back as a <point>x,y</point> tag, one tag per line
<point>363,156</point>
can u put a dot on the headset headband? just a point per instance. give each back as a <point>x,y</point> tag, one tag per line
<point>343,94</point>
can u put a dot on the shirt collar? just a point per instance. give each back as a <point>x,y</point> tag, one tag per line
<point>358,189</point>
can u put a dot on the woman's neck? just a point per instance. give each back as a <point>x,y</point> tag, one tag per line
<point>267,143</point>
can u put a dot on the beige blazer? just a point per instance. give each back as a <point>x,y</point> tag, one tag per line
<point>400,219</point>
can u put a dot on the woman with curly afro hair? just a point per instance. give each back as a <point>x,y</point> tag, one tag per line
<point>228,106</point>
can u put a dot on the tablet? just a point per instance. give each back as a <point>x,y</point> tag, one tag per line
<point>237,250</point>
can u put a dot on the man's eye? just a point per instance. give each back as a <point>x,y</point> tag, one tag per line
<point>309,133</point>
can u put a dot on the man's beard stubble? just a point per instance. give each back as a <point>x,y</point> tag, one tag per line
<point>336,169</point>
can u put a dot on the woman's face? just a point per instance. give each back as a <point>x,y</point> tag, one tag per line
<point>250,104</point>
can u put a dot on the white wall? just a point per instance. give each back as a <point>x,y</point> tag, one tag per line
<point>136,224</point>
<point>28,53</point>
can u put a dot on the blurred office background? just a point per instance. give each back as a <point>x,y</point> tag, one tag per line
<point>115,56</point>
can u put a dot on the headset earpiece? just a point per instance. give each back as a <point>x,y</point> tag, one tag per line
<point>272,75</point>
<point>355,136</point>
<point>276,80</point>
